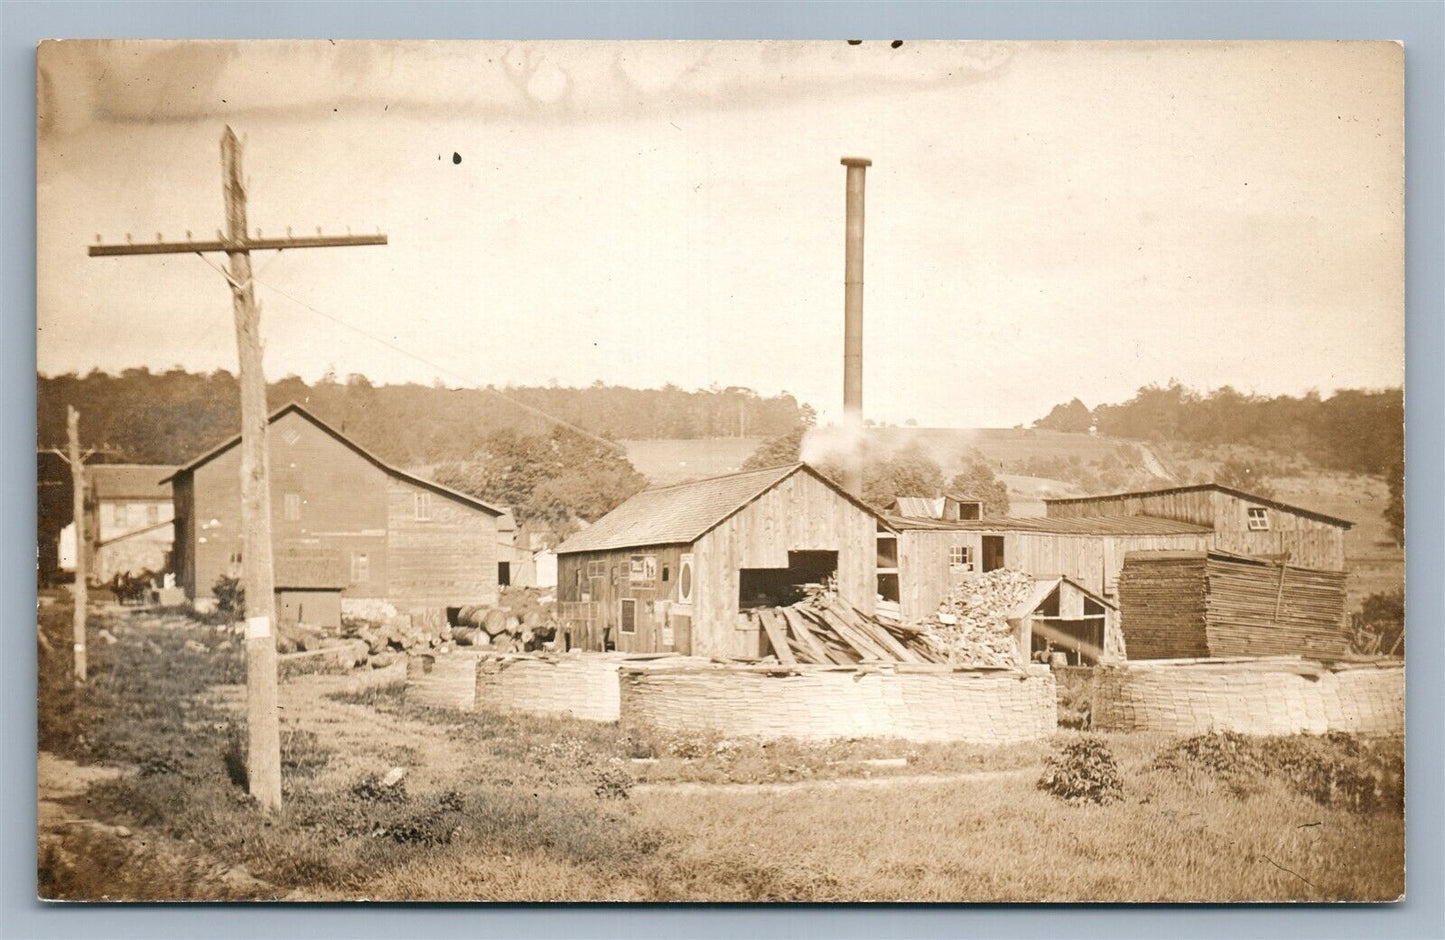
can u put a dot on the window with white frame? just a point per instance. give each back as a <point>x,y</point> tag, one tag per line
<point>118,514</point>
<point>1258,519</point>
<point>961,556</point>
<point>628,616</point>
<point>421,506</point>
<point>293,507</point>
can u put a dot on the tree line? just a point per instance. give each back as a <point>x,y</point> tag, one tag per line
<point>1357,430</point>
<point>171,417</point>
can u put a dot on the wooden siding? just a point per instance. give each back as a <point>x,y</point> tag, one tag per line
<point>449,559</point>
<point>801,513</point>
<point>347,505</point>
<point>603,596</point>
<point>1094,561</point>
<point>1311,543</point>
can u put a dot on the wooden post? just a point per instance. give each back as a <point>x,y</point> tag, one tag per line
<point>77,504</point>
<point>263,760</point>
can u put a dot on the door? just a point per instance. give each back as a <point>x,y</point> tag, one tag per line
<point>992,552</point>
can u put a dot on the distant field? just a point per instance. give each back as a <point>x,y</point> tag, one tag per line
<point>998,445</point>
<point>674,461</point>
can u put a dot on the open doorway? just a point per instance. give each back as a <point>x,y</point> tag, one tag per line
<point>779,587</point>
<point>992,552</point>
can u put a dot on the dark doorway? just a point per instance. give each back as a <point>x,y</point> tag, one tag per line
<point>992,552</point>
<point>504,573</point>
<point>778,587</point>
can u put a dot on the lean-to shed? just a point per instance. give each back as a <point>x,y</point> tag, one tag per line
<point>671,568</point>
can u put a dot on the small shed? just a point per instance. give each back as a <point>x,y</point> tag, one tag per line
<point>671,569</point>
<point>1197,604</point>
<point>1061,615</point>
<point>309,583</point>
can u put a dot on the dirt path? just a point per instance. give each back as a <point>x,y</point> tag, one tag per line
<point>84,859</point>
<point>835,783</point>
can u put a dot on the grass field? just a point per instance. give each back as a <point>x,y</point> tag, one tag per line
<point>503,808</point>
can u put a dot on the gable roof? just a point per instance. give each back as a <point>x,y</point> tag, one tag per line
<point>1216,487</point>
<point>129,480</point>
<point>685,512</point>
<point>1057,525</point>
<point>1045,586</point>
<point>371,458</point>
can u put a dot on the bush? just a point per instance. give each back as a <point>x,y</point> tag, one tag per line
<point>1085,772</point>
<point>230,597</point>
<point>1332,769</point>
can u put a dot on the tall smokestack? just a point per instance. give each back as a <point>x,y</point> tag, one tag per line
<point>853,325</point>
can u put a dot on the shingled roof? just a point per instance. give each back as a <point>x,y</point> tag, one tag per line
<point>685,512</point>
<point>1056,525</point>
<point>129,480</point>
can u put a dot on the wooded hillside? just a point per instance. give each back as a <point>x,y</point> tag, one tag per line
<point>174,416</point>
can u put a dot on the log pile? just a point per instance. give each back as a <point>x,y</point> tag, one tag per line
<point>503,630</point>
<point>1191,604</point>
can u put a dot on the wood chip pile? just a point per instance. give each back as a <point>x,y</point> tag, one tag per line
<point>972,622</point>
<point>970,628</point>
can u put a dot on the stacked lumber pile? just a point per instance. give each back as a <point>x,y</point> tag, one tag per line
<point>1179,605</point>
<point>972,623</point>
<point>824,630</point>
<point>1266,609</point>
<point>1162,605</point>
<point>970,628</point>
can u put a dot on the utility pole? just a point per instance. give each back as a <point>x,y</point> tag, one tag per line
<point>77,508</point>
<point>263,762</point>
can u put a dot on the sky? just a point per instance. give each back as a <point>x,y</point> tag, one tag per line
<point>1044,220</point>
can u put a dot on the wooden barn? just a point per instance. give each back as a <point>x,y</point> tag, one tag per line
<point>920,560</point>
<point>340,519</point>
<point>1197,604</point>
<point>1241,523</point>
<point>671,568</point>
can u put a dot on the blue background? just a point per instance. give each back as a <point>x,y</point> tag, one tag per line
<point>1420,25</point>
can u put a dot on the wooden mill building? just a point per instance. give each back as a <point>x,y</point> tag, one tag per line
<point>345,526</point>
<point>1239,522</point>
<point>921,560</point>
<point>671,568</point>
<point>128,521</point>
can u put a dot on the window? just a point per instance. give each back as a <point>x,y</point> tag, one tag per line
<point>1258,519</point>
<point>504,574</point>
<point>421,506</point>
<point>628,616</point>
<point>961,556</point>
<point>293,507</point>
<point>643,570</point>
<point>118,514</point>
<point>153,514</point>
<point>360,567</point>
<point>666,573</point>
<point>596,569</point>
